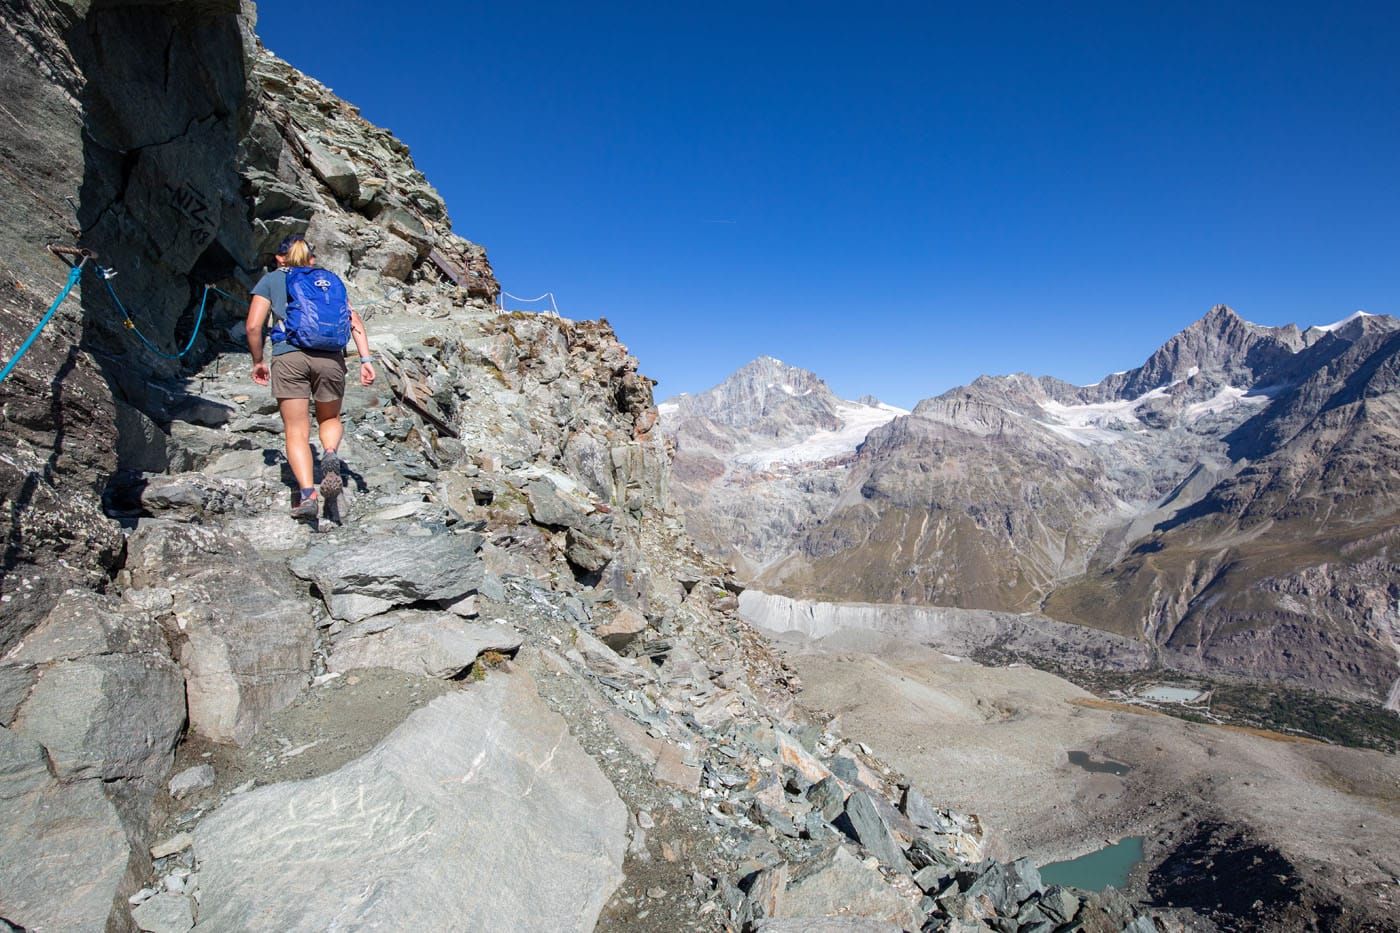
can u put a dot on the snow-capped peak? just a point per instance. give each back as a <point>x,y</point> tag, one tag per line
<point>1335,325</point>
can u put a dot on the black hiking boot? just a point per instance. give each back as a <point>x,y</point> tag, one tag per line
<point>331,483</point>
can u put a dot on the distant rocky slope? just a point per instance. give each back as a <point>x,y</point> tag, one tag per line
<point>1231,502</point>
<point>761,456</point>
<point>508,692</point>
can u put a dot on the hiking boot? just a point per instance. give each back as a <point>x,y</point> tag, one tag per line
<point>331,483</point>
<point>305,511</point>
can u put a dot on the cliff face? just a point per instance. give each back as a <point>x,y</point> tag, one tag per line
<point>499,688</point>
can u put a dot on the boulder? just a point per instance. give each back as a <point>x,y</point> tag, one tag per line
<point>66,853</point>
<point>586,552</point>
<point>107,701</point>
<point>619,631</point>
<point>844,886</point>
<point>428,644</point>
<point>332,168</point>
<point>243,637</point>
<point>864,823</point>
<point>549,507</point>
<point>370,574</point>
<point>481,785</point>
<point>110,717</point>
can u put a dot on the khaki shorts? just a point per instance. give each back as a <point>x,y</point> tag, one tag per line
<point>309,374</point>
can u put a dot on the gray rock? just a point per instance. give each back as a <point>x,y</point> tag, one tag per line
<point>423,643</point>
<point>335,170</point>
<point>586,552</point>
<point>480,786</point>
<point>549,507</point>
<point>765,892</point>
<point>243,637</point>
<point>182,494</point>
<point>864,823</point>
<point>844,886</point>
<point>919,811</point>
<point>66,853</point>
<point>110,717</point>
<point>191,780</point>
<point>829,797</point>
<point>15,681</point>
<point>83,624</point>
<point>196,409</point>
<point>176,843</point>
<point>370,574</point>
<point>165,913</point>
<point>624,626</point>
<point>1059,904</point>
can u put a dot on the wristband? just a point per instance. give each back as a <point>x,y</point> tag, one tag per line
<point>366,359</point>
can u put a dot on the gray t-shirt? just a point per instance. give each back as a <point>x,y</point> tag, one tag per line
<point>273,287</point>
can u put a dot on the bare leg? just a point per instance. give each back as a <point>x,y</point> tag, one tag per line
<point>296,423</point>
<point>329,426</point>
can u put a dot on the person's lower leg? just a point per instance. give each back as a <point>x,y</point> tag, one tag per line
<point>329,428</point>
<point>296,423</point>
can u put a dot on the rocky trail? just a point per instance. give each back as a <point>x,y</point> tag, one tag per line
<point>457,684</point>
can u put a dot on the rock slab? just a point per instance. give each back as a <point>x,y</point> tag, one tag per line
<point>372,574</point>
<point>479,786</point>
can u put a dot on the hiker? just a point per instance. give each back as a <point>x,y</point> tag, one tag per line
<point>313,321</point>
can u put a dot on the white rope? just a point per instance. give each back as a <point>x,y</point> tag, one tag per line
<point>550,295</point>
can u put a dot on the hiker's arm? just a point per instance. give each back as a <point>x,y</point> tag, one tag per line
<point>357,333</point>
<point>258,310</point>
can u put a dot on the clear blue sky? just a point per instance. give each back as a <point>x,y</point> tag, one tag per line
<point>899,196</point>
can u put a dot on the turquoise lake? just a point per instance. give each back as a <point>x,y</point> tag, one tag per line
<point>1106,867</point>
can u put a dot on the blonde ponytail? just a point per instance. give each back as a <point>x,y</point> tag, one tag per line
<point>299,254</point>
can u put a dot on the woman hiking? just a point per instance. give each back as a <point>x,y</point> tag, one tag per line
<point>313,321</point>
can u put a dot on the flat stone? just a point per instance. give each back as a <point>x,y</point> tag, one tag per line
<point>335,170</point>
<point>791,753</point>
<point>586,552</point>
<point>481,785</point>
<point>176,843</point>
<point>549,507</point>
<point>844,886</point>
<point>370,574</point>
<point>165,913</point>
<point>191,780</point>
<point>423,643</point>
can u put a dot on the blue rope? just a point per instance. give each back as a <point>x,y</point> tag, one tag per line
<point>131,323</point>
<point>34,334</point>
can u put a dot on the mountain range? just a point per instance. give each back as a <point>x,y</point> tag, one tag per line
<point>1230,501</point>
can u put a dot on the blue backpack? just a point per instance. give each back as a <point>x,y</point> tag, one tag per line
<point>318,310</point>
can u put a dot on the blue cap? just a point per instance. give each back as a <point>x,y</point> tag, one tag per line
<point>286,245</point>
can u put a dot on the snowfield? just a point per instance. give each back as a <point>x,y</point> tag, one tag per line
<point>857,421</point>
